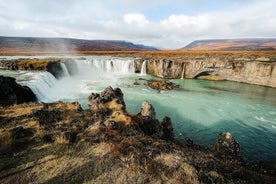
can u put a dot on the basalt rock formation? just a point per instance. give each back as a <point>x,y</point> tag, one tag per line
<point>63,143</point>
<point>13,93</point>
<point>252,69</point>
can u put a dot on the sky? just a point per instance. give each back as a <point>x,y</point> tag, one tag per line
<point>167,24</point>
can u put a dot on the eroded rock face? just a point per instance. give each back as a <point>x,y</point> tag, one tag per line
<point>252,69</point>
<point>227,147</point>
<point>13,93</point>
<point>165,68</point>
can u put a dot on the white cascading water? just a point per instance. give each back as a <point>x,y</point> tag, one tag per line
<point>91,73</point>
<point>40,83</point>
<point>144,68</point>
<point>182,73</point>
<point>125,66</point>
<point>64,70</point>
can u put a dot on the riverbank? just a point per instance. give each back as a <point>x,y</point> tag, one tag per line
<point>61,142</point>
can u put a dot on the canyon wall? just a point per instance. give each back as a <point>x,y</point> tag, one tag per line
<point>260,70</point>
<point>257,69</point>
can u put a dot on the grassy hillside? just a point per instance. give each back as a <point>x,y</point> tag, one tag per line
<point>232,44</point>
<point>24,44</point>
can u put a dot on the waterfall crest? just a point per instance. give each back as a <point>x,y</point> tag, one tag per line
<point>121,66</point>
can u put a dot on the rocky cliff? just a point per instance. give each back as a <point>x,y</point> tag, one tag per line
<point>252,69</point>
<point>247,67</point>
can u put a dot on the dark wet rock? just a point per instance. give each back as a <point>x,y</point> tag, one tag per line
<point>55,69</point>
<point>136,83</point>
<point>147,122</point>
<point>167,129</point>
<point>13,93</point>
<point>226,147</point>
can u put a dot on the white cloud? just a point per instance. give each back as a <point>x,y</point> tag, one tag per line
<point>95,22</point>
<point>136,19</point>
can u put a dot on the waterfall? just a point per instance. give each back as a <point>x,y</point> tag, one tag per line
<point>183,71</point>
<point>40,84</point>
<point>92,73</point>
<point>144,68</point>
<point>64,70</point>
<point>99,65</point>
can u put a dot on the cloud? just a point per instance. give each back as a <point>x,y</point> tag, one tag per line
<point>105,20</point>
<point>136,19</point>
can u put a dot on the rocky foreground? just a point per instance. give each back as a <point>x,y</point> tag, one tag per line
<point>63,143</point>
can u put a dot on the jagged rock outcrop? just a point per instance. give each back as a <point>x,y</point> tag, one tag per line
<point>147,110</point>
<point>110,103</point>
<point>226,147</point>
<point>252,69</point>
<point>13,93</point>
<point>108,99</point>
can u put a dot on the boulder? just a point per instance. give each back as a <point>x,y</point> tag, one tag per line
<point>161,85</point>
<point>13,93</point>
<point>147,110</point>
<point>227,147</point>
<point>108,99</point>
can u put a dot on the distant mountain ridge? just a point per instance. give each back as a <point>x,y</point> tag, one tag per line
<point>232,44</point>
<point>36,44</point>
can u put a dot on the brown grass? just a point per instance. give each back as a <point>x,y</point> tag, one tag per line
<point>163,53</point>
<point>20,110</point>
<point>5,139</point>
<point>35,63</point>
